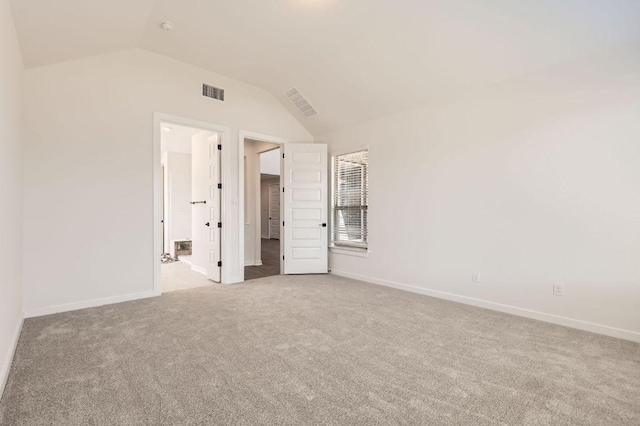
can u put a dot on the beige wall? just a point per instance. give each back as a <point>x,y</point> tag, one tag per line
<point>89,160</point>
<point>528,183</point>
<point>11,149</point>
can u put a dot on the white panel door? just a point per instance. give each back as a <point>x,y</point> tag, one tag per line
<point>305,208</point>
<point>213,209</point>
<point>274,211</point>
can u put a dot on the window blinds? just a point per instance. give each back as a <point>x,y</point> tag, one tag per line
<point>350,199</point>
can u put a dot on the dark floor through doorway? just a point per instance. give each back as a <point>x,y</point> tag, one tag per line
<point>270,261</point>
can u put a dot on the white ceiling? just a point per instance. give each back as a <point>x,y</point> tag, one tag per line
<point>352,59</point>
<point>60,30</point>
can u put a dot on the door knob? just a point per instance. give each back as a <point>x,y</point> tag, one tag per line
<point>207,224</point>
<point>324,225</point>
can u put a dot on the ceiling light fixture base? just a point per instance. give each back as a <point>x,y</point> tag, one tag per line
<point>167,25</point>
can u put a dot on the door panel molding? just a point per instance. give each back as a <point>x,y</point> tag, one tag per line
<point>306,205</point>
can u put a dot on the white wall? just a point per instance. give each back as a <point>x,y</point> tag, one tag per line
<point>178,177</point>
<point>264,203</point>
<point>530,182</point>
<point>252,218</point>
<point>89,182</point>
<point>176,138</point>
<point>11,98</point>
<point>270,162</point>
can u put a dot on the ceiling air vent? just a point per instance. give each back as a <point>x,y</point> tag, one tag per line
<point>300,102</point>
<point>213,92</point>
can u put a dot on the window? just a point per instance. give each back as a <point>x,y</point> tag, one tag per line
<point>349,204</point>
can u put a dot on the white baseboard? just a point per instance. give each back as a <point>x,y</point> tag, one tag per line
<point>256,263</point>
<point>514,310</point>
<point>195,268</point>
<point>8,359</point>
<point>38,312</point>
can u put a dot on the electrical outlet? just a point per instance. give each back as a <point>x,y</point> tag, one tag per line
<point>558,289</point>
<point>475,277</point>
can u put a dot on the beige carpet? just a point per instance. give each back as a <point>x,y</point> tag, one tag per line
<point>314,350</point>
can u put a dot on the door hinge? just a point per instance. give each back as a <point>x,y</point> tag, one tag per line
<point>219,186</point>
<point>283,223</point>
<point>219,264</point>
<point>282,155</point>
<point>283,257</point>
<point>283,189</point>
<point>219,147</point>
<point>219,224</point>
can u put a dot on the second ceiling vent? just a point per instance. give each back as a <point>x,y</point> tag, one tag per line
<point>300,102</point>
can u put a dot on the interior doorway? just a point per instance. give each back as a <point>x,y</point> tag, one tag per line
<point>262,208</point>
<point>304,202</point>
<point>191,210</point>
<point>303,237</point>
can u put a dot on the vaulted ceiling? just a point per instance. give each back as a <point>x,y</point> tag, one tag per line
<point>352,59</point>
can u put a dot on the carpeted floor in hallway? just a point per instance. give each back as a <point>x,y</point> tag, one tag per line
<point>311,350</point>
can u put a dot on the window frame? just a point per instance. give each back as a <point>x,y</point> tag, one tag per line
<point>339,248</point>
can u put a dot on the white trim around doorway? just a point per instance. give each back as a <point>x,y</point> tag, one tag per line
<point>225,139</point>
<point>244,134</point>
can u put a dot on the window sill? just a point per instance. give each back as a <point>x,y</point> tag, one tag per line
<point>350,251</point>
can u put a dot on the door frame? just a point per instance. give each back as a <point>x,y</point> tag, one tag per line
<point>242,135</point>
<point>225,137</point>
<point>269,206</point>
<point>164,213</point>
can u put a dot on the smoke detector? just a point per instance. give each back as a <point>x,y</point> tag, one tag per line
<point>167,25</point>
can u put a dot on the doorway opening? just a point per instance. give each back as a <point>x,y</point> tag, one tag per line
<point>190,162</point>
<point>303,236</point>
<point>262,208</point>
